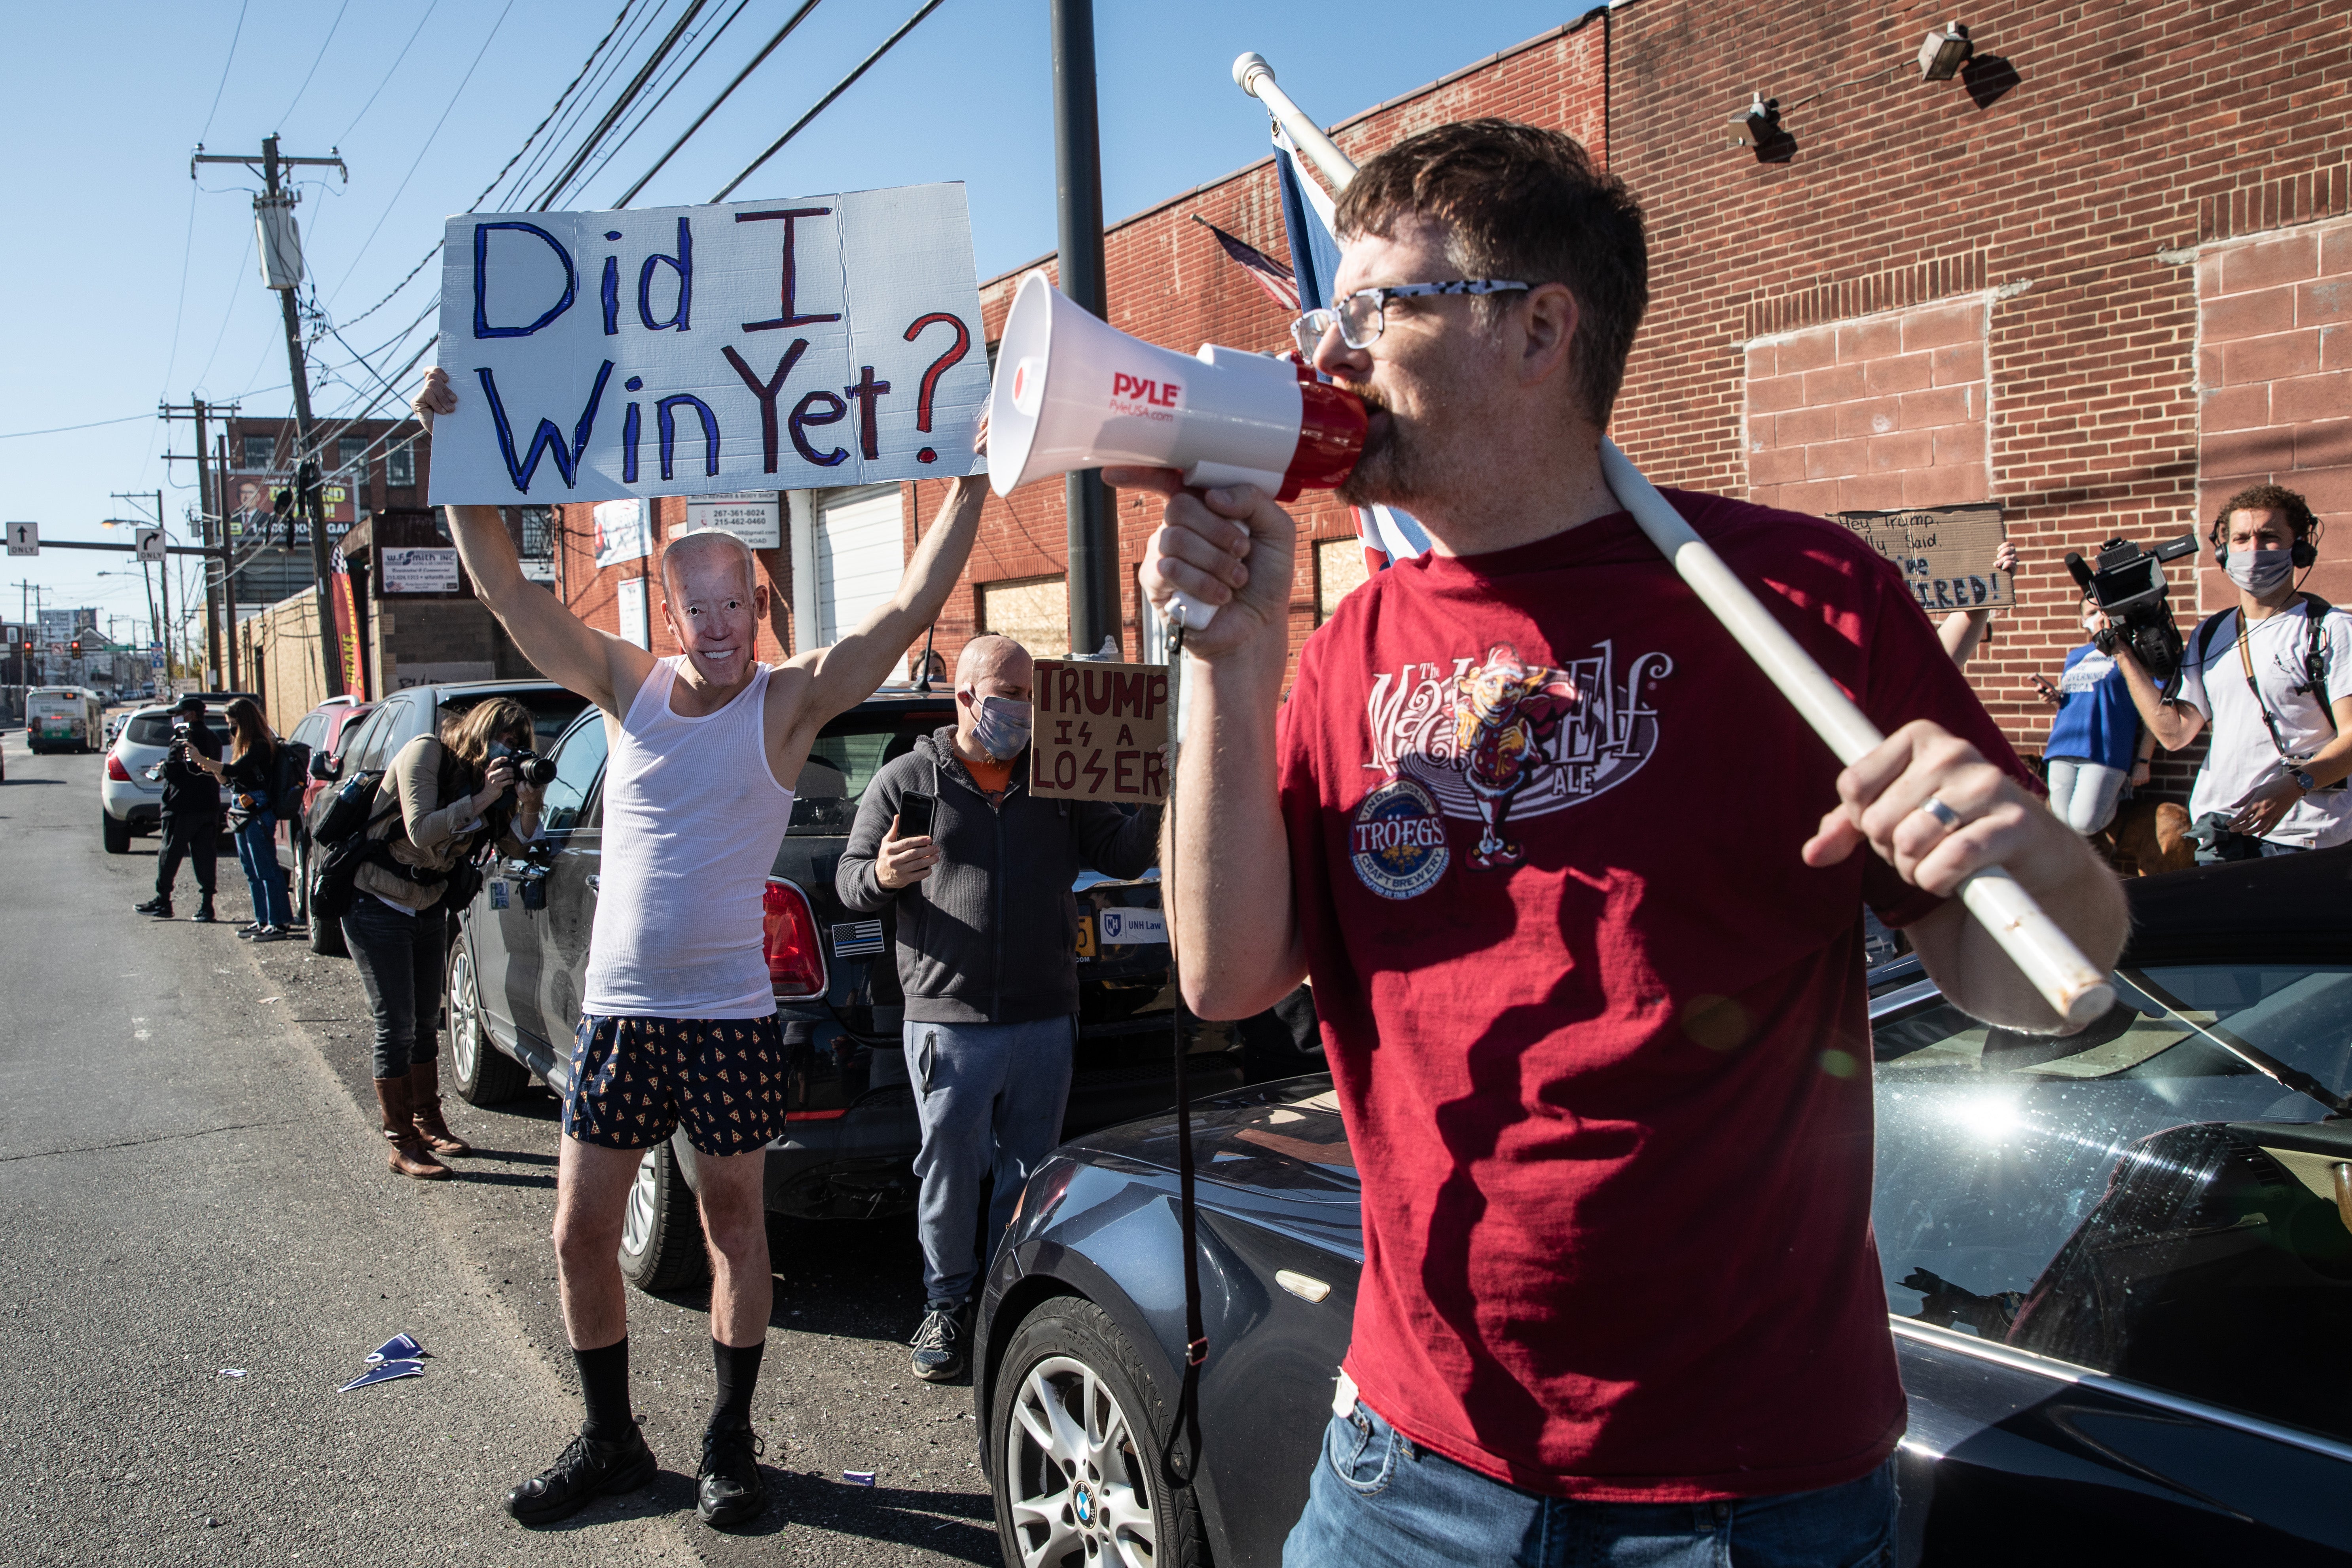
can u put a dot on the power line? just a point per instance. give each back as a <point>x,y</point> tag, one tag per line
<point>627,96</point>
<point>428,147</point>
<point>778,144</point>
<point>321,56</point>
<point>674,82</point>
<point>354,125</point>
<point>712,108</point>
<point>60,430</point>
<point>644,16</point>
<point>231,60</point>
<point>553,109</point>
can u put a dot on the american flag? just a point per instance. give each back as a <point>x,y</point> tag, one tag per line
<point>1271,275</point>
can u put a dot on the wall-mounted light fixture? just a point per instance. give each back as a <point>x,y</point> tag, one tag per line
<point>1944,52</point>
<point>1759,126</point>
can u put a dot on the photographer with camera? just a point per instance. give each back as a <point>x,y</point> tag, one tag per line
<point>192,810</point>
<point>442,797</point>
<point>2274,678</point>
<point>251,775</point>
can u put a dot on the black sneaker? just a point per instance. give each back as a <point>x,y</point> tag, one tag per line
<point>728,1489</point>
<point>204,915</point>
<point>585,1470</point>
<point>939,1345</point>
<point>158,906</point>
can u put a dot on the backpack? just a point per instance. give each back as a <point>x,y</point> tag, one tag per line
<point>348,817</point>
<point>289,775</point>
<point>340,815</point>
<point>2315,654</point>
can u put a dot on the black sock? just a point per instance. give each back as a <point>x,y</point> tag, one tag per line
<point>604,1385</point>
<point>739,1373</point>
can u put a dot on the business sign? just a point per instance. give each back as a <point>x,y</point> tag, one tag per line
<point>418,571</point>
<point>62,626</point>
<point>623,532</point>
<point>755,517</point>
<point>1101,731</point>
<point>815,342</point>
<point>1944,552</point>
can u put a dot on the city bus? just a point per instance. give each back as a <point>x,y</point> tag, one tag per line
<point>63,719</point>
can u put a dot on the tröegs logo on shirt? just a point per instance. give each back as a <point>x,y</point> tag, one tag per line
<point>1494,742</point>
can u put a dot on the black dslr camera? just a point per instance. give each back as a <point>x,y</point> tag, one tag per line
<point>529,767</point>
<point>2128,582</point>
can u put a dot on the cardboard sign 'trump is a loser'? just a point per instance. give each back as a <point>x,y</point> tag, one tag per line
<point>790,344</point>
<point>1945,553</point>
<point>1099,732</point>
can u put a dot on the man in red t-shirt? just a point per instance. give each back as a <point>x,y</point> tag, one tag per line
<point>1580,898</point>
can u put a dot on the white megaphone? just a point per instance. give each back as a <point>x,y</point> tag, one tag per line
<point>1071,392</point>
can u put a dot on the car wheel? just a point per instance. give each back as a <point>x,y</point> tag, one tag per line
<point>485,1074</point>
<point>116,834</point>
<point>326,935</point>
<point>1075,1425</point>
<point>299,889</point>
<point>661,1229</point>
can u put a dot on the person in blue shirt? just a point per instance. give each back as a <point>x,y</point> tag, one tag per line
<point>2096,741</point>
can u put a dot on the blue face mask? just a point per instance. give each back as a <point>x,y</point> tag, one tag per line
<point>1000,726</point>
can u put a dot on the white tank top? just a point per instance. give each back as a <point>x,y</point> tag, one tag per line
<point>693,816</point>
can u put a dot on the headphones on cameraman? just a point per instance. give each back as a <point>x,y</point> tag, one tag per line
<point>2307,528</point>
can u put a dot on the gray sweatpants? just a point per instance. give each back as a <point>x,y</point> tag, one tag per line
<point>990,1097</point>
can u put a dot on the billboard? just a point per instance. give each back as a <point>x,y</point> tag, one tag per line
<point>250,519</point>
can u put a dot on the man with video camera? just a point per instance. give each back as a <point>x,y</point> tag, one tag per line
<point>2273,678</point>
<point>1593,1008</point>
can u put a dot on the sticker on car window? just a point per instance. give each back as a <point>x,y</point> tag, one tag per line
<point>1130,928</point>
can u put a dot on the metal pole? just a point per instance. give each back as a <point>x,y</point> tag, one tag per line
<point>1077,175</point>
<point>228,563</point>
<point>211,583</point>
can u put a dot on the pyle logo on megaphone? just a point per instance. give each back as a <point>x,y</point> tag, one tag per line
<point>1071,392</point>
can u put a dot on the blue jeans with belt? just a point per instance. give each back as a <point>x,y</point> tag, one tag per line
<point>257,851</point>
<point>1379,1499</point>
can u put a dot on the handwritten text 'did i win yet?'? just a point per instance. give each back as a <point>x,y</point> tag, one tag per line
<point>814,341</point>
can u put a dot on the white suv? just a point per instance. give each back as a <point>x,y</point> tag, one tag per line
<point>129,801</point>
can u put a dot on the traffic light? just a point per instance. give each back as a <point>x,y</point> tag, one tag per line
<point>75,647</point>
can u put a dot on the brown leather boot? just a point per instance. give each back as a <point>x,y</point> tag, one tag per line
<point>410,1157</point>
<point>425,1093</point>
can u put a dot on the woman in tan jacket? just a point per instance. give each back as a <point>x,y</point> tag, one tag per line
<point>441,800</point>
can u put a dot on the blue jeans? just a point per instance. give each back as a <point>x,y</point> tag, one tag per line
<point>257,851</point>
<point>990,1098</point>
<point>1380,1500</point>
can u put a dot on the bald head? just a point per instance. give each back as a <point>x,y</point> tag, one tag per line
<point>709,550</point>
<point>989,656</point>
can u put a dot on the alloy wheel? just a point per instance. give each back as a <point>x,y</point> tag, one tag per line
<point>644,1200</point>
<point>464,1021</point>
<point>1075,1473</point>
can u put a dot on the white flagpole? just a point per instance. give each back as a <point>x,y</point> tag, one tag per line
<point>2033,942</point>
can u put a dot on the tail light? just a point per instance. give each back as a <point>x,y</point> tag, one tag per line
<point>795,962</point>
<point>115,770</point>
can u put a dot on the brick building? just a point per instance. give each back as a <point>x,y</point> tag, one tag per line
<point>2103,278</point>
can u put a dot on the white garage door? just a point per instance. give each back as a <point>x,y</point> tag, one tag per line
<point>861,553</point>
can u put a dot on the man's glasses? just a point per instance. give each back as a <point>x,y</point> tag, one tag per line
<point>1362,316</point>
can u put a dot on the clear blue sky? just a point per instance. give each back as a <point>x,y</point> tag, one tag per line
<point>130,284</point>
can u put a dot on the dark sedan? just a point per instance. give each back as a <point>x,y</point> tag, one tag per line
<point>517,969</point>
<point>2120,1269</point>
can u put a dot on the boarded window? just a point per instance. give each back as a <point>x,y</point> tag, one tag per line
<point>1339,566</point>
<point>1034,612</point>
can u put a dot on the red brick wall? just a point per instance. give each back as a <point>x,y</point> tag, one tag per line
<point>1872,415</point>
<point>2076,203</point>
<point>2274,363</point>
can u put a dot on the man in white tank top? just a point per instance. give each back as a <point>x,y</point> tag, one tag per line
<point>678,1024</point>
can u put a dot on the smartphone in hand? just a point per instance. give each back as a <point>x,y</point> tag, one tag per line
<point>914,813</point>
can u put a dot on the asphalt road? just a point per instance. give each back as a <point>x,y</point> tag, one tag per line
<point>190,1181</point>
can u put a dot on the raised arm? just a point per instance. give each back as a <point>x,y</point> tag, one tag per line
<point>606,669</point>
<point>845,674</point>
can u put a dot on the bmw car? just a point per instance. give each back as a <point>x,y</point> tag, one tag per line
<point>2118,1271</point>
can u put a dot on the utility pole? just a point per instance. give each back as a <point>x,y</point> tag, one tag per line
<point>30,593</point>
<point>228,557</point>
<point>1078,172</point>
<point>281,269</point>
<point>196,408</point>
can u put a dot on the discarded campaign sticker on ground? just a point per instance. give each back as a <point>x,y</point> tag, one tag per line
<point>384,1372</point>
<point>400,1347</point>
<point>858,1478</point>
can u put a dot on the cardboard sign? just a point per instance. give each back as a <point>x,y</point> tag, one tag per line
<point>419,570</point>
<point>1099,732</point>
<point>1945,553</point>
<point>791,345</point>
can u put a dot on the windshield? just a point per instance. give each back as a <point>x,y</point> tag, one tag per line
<point>2142,1198</point>
<point>846,755</point>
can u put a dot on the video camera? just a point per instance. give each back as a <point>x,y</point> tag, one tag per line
<point>2127,582</point>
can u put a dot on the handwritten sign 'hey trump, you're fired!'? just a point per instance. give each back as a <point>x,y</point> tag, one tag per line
<point>818,341</point>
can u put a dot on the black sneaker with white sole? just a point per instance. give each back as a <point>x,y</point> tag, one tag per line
<point>939,1345</point>
<point>728,1489</point>
<point>584,1471</point>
